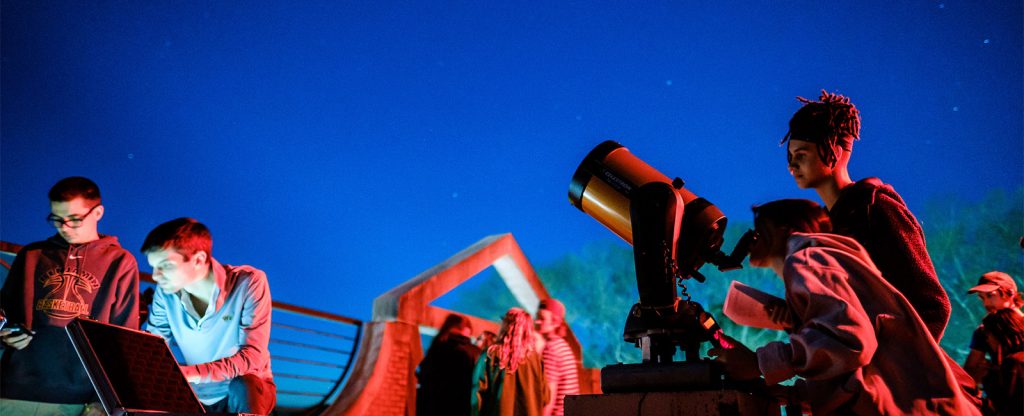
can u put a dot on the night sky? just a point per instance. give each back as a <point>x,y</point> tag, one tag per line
<point>344,147</point>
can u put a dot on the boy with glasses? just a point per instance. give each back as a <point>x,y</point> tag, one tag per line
<point>76,272</point>
<point>218,316</point>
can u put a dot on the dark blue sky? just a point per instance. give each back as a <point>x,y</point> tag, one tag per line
<point>344,147</point>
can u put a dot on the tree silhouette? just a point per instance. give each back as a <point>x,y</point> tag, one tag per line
<point>966,240</point>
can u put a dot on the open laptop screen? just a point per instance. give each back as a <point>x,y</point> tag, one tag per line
<point>133,372</point>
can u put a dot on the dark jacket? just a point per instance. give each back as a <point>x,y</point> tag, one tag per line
<point>1004,380</point>
<point>49,284</point>
<point>497,392</point>
<point>872,213</point>
<point>446,377</point>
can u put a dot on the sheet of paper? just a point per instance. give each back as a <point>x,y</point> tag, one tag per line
<point>745,306</point>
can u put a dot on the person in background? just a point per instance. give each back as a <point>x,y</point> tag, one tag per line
<point>996,359</point>
<point>509,377</point>
<point>75,272</point>
<point>446,372</point>
<point>560,364</point>
<point>820,144</point>
<point>485,340</point>
<point>217,315</point>
<point>857,344</point>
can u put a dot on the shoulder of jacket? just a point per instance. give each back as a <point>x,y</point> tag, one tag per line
<point>245,272</point>
<point>812,261</point>
<point>121,252</point>
<point>43,245</point>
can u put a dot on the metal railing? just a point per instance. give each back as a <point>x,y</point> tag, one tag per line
<point>311,351</point>
<point>311,354</point>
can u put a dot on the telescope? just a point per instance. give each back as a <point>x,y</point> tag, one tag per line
<point>673,233</point>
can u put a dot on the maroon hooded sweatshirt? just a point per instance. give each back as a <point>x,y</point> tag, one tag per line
<point>49,284</point>
<point>872,213</point>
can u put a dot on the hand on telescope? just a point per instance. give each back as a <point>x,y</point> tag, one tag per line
<point>738,361</point>
<point>780,313</point>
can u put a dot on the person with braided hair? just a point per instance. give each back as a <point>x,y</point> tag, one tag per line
<point>509,377</point>
<point>820,143</point>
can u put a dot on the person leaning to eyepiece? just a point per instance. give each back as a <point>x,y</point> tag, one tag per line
<point>77,271</point>
<point>217,315</point>
<point>857,344</point>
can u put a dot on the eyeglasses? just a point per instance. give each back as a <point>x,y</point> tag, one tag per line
<point>58,222</point>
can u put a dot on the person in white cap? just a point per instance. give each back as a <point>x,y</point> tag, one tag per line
<point>996,360</point>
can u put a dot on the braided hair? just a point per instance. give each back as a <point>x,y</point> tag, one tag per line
<point>829,123</point>
<point>515,340</point>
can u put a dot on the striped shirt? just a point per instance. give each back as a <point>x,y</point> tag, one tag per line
<point>560,371</point>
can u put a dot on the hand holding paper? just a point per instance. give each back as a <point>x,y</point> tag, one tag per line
<point>750,307</point>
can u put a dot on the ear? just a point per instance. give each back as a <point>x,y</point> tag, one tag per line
<point>99,212</point>
<point>842,156</point>
<point>200,258</point>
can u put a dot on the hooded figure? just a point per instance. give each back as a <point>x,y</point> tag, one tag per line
<point>50,283</point>
<point>856,342</point>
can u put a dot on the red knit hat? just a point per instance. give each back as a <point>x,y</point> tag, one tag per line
<point>558,309</point>
<point>554,306</point>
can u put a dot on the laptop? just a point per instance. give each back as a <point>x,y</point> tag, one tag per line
<point>133,372</point>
